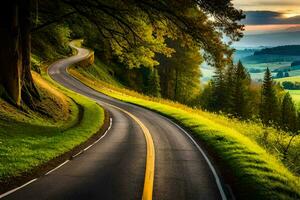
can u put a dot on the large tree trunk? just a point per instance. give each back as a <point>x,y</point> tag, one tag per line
<point>29,91</point>
<point>10,50</point>
<point>15,48</point>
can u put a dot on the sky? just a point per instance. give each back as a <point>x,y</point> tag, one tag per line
<point>289,8</point>
<point>270,15</point>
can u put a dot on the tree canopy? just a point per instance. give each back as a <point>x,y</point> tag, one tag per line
<point>136,30</point>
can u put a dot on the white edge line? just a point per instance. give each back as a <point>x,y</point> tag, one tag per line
<point>110,124</point>
<point>13,190</point>
<point>217,179</point>
<point>49,172</point>
<point>57,167</point>
<point>87,147</point>
<point>77,154</point>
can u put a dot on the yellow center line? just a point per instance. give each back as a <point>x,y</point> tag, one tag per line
<point>150,160</point>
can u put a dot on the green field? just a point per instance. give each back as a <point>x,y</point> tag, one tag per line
<point>294,93</point>
<point>244,147</point>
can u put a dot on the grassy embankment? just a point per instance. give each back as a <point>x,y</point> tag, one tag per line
<point>246,148</point>
<point>29,138</point>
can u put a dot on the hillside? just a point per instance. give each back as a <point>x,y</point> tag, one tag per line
<point>288,50</point>
<point>269,39</point>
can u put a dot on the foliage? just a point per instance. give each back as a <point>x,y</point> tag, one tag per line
<point>282,74</point>
<point>136,30</point>
<point>240,98</point>
<point>266,179</point>
<point>269,107</point>
<point>153,85</point>
<point>180,74</point>
<point>289,85</point>
<point>52,42</point>
<point>288,114</point>
<point>230,91</point>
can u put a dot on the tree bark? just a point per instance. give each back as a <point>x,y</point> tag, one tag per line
<point>29,91</point>
<point>10,50</point>
<point>15,48</point>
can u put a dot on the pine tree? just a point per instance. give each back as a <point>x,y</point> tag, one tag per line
<point>269,111</point>
<point>153,85</point>
<point>230,87</point>
<point>240,99</point>
<point>288,113</point>
<point>219,93</point>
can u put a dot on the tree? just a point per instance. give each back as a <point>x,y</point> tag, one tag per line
<point>229,87</point>
<point>240,99</point>
<point>288,114</point>
<point>180,74</point>
<point>135,31</point>
<point>15,75</point>
<point>280,74</point>
<point>153,86</point>
<point>269,111</point>
<point>219,101</point>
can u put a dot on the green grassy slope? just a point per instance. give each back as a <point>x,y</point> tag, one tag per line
<point>99,71</point>
<point>29,139</point>
<point>246,148</point>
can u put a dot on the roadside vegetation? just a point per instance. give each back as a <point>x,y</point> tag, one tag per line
<point>252,151</point>
<point>147,53</point>
<point>29,139</point>
<point>60,120</point>
<point>291,85</point>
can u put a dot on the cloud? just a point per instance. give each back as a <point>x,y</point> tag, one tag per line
<point>282,6</point>
<point>258,3</point>
<point>268,17</point>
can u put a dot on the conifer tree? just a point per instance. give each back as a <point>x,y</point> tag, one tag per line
<point>219,94</point>
<point>288,113</point>
<point>230,87</point>
<point>269,102</point>
<point>240,99</point>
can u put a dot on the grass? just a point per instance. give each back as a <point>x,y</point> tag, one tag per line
<point>29,139</point>
<point>99,71</point>
<point>245,147</point>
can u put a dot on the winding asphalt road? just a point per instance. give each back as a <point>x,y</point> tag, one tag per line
<point>114,168</point>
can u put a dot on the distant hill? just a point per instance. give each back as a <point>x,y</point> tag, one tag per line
<point>295,63</point>
<point>269,39</point>
<point>288,50</point>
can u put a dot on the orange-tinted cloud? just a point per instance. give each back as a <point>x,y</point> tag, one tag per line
<point>282,6</point>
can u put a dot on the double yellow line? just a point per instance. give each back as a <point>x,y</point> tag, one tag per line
<point>150,160</point>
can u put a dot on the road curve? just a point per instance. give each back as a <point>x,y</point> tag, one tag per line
<point>114,168</point>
